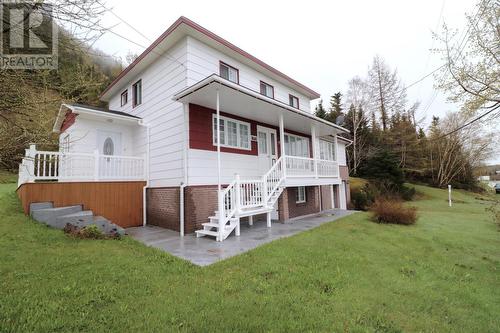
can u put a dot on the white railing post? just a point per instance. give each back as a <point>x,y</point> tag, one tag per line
<point>96,164</point>
<point>315,150</point>
<point>282,143</point>
<point>222,215</point>
<point>30,162</point>
<point>237,194</point>
<point>264,190</point>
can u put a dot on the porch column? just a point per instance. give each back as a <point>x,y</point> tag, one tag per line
<point>282,143</point>
<point>315,149</point>
<point>220,202</point>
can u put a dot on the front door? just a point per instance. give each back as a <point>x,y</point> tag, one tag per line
<point>109,144</point>
<point>268,155</point>
<point>268,148</point>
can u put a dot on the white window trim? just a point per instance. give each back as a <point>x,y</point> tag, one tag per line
<point>238,138</point>
<point>297,199</point>
<point>300,137</point>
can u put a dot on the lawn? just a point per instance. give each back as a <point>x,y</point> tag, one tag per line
<point>352,275</point>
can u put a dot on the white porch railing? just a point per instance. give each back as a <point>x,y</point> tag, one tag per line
<point>50,165</point>
<point>309,167</point>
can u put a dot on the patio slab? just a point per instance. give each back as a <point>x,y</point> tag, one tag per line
<point>205,250</point>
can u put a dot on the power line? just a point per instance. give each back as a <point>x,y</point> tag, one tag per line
<point>468,123</point>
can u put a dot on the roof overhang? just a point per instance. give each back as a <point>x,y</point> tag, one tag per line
<point>184,27</point>
<point>247,103</point>
<point>90,114</point>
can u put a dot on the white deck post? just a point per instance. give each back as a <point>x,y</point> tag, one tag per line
<point>268,217</point>
<point>96,164</point>
<point>250,220</point>
<point>30,162</point>
<point>219,187</point>
<point>237,200</point>
<point>282,143</point>
<point>315,150</point>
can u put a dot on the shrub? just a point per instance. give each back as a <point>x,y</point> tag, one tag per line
<point>91,231</point>
<point>393,211</point>
<point>362,198</point>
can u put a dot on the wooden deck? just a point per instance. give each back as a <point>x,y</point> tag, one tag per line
<point>120,202</point>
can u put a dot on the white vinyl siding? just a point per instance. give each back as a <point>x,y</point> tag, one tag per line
<point>327,150</point>
<point>296,145</point>
<point>301,194</point>
<point>160,81</point>
<point>204,60</point>
<point>233,133</point>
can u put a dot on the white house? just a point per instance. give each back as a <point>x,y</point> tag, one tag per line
<point>269,157</point>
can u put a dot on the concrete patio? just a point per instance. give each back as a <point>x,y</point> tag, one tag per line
<point>205,251</point>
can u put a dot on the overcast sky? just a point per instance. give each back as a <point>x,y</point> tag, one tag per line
<point>322,44</point>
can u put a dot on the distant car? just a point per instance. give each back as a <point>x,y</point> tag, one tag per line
<point>497,188</point>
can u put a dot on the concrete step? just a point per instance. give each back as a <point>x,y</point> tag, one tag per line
<point>79,219</point>
<point>40,205</point>
<point>49,215</point>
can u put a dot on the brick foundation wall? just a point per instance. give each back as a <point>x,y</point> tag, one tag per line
<point>288,208</point>
<point>200,203</point>
<point>163,207</point>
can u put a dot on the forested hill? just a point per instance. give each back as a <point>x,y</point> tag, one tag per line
<point>30,99</point>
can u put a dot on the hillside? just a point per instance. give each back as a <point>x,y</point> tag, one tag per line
<point>352,275</point>
<point>30,99</point>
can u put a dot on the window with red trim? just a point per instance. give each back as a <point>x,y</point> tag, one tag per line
<point>137,93</point>
<point>124,97</point>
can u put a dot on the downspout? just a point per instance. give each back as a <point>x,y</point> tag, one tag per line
<point>185,166</point>
<point>146,162</point>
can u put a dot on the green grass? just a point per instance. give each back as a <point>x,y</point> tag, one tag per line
<point>7,177</point>
<point>441,275</point>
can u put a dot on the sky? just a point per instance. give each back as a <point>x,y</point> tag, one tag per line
<point>322,44</point>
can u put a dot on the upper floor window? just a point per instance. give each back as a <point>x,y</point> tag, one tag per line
<point>266,89</point>
<point>124,97</point>
<point>294,101</point>
<point>229,73</point>
<point>137,93</point>
<point>296,145</point>
<point>233,133</point>
<point>327,150</point>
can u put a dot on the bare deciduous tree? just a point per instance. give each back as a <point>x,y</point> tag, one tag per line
<point>472,72</point>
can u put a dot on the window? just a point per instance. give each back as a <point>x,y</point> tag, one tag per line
<point>124,97</point>
<point>294,101</point>
<point>266,89</point>
<point>296,145</point>
<point>233,133</point>
<point>108,147</point>
<point>327,150</point>
<point>137,93</point>
<point>229,73</point>
<point>301,195</point>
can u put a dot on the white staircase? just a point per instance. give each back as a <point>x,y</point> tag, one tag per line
<point>244,198</point>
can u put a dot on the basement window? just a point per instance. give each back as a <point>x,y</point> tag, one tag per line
<point>301,194</point>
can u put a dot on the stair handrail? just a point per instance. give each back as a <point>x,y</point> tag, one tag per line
<point>265,179</point>
<point>224,197</point>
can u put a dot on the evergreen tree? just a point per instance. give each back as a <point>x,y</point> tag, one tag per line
<point>320,111</point>
<point>335,107</point>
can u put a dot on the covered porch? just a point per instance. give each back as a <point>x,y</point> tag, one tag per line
<point>257,145</point>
